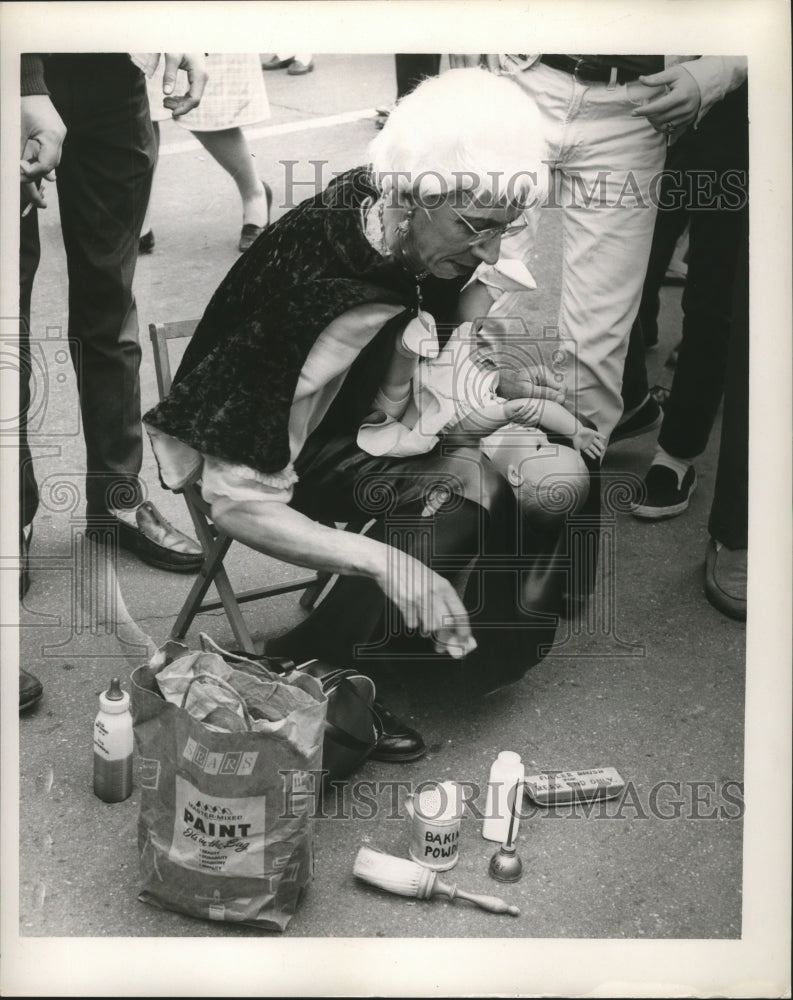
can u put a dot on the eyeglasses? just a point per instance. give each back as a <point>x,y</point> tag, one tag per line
<point>486,235</point>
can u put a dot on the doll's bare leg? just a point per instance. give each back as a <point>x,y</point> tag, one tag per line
<point>550,481</point>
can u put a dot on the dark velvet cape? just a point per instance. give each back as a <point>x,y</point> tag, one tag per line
<point>233,391</point>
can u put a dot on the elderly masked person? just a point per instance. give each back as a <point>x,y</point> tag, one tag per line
<point>286,363</point>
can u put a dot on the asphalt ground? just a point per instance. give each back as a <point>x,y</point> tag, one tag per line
<point>652,683</point>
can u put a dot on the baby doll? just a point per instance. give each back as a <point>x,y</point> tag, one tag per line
<point>429,393</point>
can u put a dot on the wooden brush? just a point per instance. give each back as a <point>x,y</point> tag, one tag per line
<point>408,878</point>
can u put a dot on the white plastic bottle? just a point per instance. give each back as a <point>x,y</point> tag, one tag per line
<point>113,745</point>
<point>505,774</point>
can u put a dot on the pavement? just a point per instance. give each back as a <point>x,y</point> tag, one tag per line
<point>651,682</point>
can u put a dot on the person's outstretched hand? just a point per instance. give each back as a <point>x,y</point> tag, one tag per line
<point>194,64</point>
<point>41,140</point>
<point>675,109</point>
<point>427,602</point>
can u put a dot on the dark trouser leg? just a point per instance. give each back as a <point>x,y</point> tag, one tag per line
<point>699,375</point>
<point>104,182</point>
<point>669,225</point>
<point>517,575</point>
<point>514,595</point>
<point>29,254</point>
<point>634,376</point>
<point>719,149</point>
<point>411,68</point>
<point>729,514</point>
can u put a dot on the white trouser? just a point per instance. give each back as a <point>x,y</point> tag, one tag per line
<point>596,147</point>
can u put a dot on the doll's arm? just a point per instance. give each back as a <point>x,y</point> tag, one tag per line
<point>550,416</point>
<point>479,423</point>
<point>395,391</point>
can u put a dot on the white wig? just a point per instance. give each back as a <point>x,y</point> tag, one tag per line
<point>465,130</point>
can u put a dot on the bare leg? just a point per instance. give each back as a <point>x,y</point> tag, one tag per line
<point>230,148</point>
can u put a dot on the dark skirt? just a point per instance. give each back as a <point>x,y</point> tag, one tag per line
<point>512,576</point>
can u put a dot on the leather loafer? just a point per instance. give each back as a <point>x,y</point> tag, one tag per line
<point>30,690</point>
<point>153,539</point>
<point>398,742</point>
<point>275,63</point>
<point>725,579</point>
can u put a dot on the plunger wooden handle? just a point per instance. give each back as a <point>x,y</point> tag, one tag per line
<point>491,903</point>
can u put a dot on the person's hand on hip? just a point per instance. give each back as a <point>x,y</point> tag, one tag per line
<point>678,107</point>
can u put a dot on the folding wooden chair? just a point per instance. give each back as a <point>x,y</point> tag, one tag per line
<point>214,542</point>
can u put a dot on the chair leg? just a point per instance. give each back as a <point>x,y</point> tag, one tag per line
<point>233,611</point>
<point>215,545</point>
<point>207,574</point>
<point>311,594</point>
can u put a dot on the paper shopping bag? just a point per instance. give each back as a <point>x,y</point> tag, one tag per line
<point>226,817</point>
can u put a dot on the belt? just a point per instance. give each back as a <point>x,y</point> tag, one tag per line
<point>588,72</point>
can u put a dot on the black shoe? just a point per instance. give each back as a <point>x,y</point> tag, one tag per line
<point>275,63</point>
<point>397,742</point>
<point>146,242</point>
<point>30,690</point>
<point>663,497</point>
<point>248,236</point>
<point>250,231</point>
<point>154,540</point>
<point>645,419</point>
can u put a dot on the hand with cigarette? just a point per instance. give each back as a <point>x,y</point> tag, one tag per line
<point>42,135</point>
<point>194,64</point>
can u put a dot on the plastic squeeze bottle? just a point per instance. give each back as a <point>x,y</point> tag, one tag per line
<point>113,745</point>
<point>504,788</point>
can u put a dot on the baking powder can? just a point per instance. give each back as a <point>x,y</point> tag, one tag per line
<point>435,811</point>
